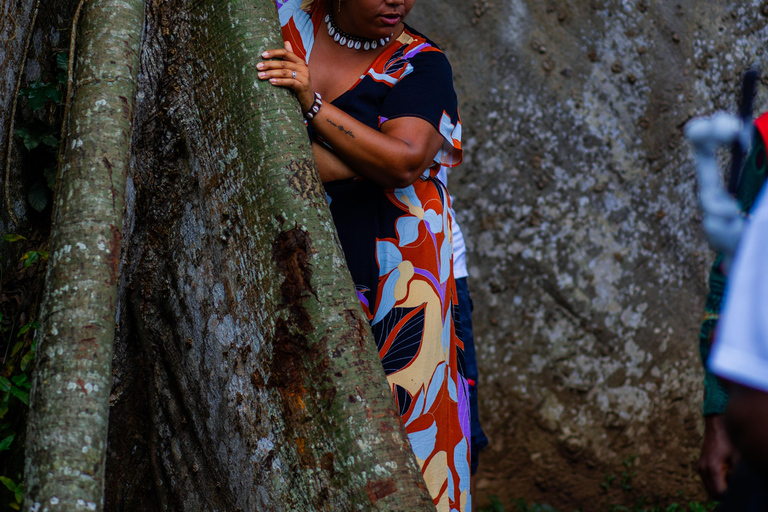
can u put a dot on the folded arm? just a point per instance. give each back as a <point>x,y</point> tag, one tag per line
<point>392,157</point>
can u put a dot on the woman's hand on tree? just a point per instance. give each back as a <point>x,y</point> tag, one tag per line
<point>288,70</point>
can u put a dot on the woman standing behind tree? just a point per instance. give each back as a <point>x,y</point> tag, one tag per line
<point>381,110</point>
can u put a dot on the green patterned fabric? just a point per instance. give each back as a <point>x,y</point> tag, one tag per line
<point>751,181</point>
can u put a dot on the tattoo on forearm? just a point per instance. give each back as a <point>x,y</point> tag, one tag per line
<point>341,128</point>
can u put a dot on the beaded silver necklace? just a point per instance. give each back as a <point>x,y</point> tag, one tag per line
<point>349,40</point>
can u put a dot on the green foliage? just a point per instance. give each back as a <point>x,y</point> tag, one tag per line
<point>37,133</point>
<point>17,355</point>
<point>627,475</point>
<point>5,444</point>
<point>18,386</point>
<point>606,483</point>
<point>43,137</point>
<point>31,325</point>
<point>38,93</point>
<point>31,257</point>
<point>12,238</point>
<point>523,506</point>
<point>38,195</point>
<point>61,63</point>
<point>49,173</point>
<point>14,396</point>
<point>641,503</point>
<point>16,489</point>
<point>495,505</point>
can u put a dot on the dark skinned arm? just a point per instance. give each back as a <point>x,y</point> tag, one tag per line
<point>331,167</point>
<point>746,418</point>
<point>718,456</point>
<point>394,157</point>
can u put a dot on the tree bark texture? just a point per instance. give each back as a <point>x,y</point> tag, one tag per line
<point>67,426</point>
<point>242,344</point>
<point>15,32</point>
<point>587,265</point>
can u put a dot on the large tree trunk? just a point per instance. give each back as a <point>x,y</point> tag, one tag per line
<point>246,374</point>
<point>69,407</point>
<point>241,337</point>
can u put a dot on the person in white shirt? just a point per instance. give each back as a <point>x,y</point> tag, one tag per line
<point>740,351</point>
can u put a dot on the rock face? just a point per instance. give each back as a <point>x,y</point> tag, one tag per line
<point>587,264</point>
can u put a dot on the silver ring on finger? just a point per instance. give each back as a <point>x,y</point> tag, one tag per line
<point>294,75</point>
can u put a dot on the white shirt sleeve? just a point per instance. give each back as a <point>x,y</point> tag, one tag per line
<point>740,350</point>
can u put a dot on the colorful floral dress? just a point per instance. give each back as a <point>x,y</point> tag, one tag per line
<point>398,247</point>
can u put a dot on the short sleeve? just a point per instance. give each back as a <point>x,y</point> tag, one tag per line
<point>740,351</point>
<point>425,90</point>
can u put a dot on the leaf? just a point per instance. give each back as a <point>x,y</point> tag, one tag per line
<point>50,140</point>
<point>28,259</point>
<point>62,61</point>
<point>20,394</point>
<point>55,95</point>
<point>13,238</point>
<point>5,444</point>
<point>3,410</point>
<point>27,360</point>
<point>50,177</point>
<point>14,506</point>
<point>39,92</point>
<point>10,484</point>
<point>16,348</point>
<point>20,379</point>
<point>38,196</point>
<point>30,139</point>
<point>24,328</point>
<point>19,495</point>
<point>36,98</point>
<point>5,384</point>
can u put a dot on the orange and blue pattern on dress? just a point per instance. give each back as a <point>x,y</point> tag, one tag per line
<point>398,246</point>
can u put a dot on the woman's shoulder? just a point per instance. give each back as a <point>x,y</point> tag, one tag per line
<point>414,42</point>
<point>415,52</point>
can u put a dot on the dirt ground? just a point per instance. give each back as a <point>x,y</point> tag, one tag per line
<point>524,462</point>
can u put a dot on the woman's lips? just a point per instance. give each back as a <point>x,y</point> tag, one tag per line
<point>391,19</point>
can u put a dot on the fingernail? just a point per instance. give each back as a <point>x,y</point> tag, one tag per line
<point>260,65</point>
<point>262,75</point>
<point>273,80</point>
<point>265,54</point>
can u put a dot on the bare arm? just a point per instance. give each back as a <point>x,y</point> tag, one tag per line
<point>331,167</point>
<point>718,456</point>
<point>393,157</point>
<point>745,419</point>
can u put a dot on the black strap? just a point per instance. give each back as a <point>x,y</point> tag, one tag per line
<point>748,88</point>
